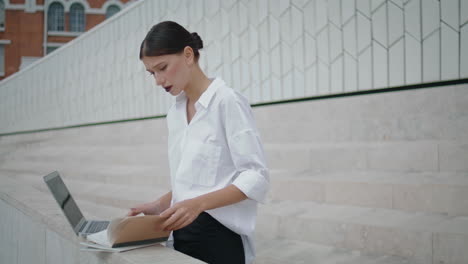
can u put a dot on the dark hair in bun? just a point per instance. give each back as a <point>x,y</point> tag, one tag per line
<point>168,37</point>
<point>197,41</point>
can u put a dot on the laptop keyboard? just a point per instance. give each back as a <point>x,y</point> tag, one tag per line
<point>97,226</point>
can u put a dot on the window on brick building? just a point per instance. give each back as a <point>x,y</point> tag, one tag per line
<point>55,17</point>
<point>50,49</point>
<point>2,14</point>
<point>77,18</point>
<point>112,10</point>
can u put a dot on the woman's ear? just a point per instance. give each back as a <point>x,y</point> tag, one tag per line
<point>189,55</point>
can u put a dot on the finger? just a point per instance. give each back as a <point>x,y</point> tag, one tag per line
<point>177,223</point>
<point>168,212</point>
<point>132,212</point>
<point>173,218</point>
<point>184,224</point>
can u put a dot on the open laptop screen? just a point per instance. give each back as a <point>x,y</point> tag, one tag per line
<point>63,197</point>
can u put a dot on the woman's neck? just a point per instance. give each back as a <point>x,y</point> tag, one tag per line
<point>198,84</point>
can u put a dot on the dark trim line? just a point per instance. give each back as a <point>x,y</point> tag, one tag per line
<point>82,125</point>
<point>363,92</point>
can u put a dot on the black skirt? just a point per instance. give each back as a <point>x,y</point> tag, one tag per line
<point>210,241</point>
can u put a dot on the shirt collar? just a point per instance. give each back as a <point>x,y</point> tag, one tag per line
<point>206,96</point>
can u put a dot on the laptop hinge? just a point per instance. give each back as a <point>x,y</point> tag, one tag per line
<point>80,226</point>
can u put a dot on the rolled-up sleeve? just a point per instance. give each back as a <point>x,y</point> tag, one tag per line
<point>246,149</point>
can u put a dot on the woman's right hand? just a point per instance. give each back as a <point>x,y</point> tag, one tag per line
<point>146,208</point>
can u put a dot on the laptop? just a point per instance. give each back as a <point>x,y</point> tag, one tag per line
<point>78,222</point>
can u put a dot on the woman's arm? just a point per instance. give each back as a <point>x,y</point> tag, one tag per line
<point>153,208</point>
<point>183,213</point>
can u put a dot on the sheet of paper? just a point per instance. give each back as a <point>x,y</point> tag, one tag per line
<point>100,238</point>
<point>128,229</point>
<point>100,248</point>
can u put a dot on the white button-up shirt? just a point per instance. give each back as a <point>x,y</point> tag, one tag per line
<point>220,146</point>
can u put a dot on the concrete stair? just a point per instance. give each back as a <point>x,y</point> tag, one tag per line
<point>90,154</point>
<point>106,201</point>
<point>334,216</point>
<point>103,173</point>
<point>328,215</point>
<point>372,179</point>
<point>304,230</point>
<point>411,235</point>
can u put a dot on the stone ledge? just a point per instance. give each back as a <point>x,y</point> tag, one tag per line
<point>25,204</point>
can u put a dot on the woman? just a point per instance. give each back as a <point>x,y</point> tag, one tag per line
<point>217,163</point>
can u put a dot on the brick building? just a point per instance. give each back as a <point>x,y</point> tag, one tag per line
<point>30,29</point>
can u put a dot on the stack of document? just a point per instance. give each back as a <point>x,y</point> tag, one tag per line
<point>127,233</point>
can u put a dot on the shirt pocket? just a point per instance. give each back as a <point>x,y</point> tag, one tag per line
<point>204,164</point>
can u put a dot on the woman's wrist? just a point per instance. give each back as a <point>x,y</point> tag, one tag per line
<point>202,203</point>
<point>223,197</point>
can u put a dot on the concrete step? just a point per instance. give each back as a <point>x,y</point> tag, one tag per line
<point>142,132</point>
<point>419,237</point>
<point>445,193</point>
<point>437,192</point>
<point>279,251</point>
<point>422,155</point>
<point>415,155</point>
<point>133,155</point>
<point>99,173</point>
<point>436,113</point>
<point>404,156</point>
<point>26,140</point>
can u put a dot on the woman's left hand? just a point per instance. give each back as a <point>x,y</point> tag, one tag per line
<point>181,214</point>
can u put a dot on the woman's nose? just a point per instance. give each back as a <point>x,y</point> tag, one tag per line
<point>159,80</point>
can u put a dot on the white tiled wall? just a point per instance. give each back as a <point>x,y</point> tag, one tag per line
<point>268,49</point>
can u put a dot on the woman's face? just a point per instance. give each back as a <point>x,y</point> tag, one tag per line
<point>172,71</point>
